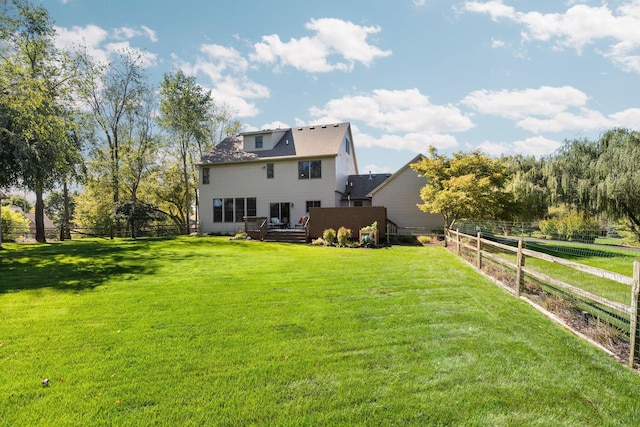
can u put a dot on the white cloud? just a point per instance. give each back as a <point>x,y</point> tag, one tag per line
<point>537,146</point>
<point>548,109</point>
<point>333,37</point>
<point>101,44</point>
<point>226,70</point>
<point>375,169</point>
<point>497,44</point>
<point>402,111</point>
<point>516,104</point>
<point>579,26</point>
<point>275,125</point>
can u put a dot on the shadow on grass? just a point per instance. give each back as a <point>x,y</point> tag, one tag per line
<point>73,266</point>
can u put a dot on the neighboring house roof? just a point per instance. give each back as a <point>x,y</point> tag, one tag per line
<point>309,141</point>
<point>48,224</point>
<point>399,172</point>
<point>359,186</point>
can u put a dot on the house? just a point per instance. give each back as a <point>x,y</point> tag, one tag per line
<point>49,226</point>
<point>275,173</point>
<point>281,174</point>
<point>400,193</point>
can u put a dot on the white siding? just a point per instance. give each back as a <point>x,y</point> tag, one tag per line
<point>400,195</point>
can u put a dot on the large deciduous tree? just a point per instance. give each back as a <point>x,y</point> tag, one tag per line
<point>115,92</point>
<point>36,80</point>
<point>600,177</point>
<point>185,113</point>
<point>467,185</point>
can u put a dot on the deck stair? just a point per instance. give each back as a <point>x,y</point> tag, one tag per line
<point>286,235</point>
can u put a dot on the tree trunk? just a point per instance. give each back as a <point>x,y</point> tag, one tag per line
<point>65,232</point>
<point>40,237</point>
<point>187,207</point>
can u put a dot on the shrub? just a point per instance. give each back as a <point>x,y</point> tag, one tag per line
<point>344,234</point>
<point>318,242</point>
<point>14,224</point>
<point>329,236</point>
<point>425,240</point>
<point>370,228</point>
<point>240,235</point>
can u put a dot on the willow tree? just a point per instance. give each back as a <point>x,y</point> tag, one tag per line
<point>600,177</point>
<point>464,186</point>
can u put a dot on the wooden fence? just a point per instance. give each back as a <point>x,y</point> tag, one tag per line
<point>480,248</point>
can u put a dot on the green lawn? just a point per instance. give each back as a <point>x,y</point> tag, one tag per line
<point>204,331</point>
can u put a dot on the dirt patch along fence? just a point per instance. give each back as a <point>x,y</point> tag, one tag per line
<point>582,308</point>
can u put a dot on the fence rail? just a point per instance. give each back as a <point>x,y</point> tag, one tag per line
<point>480,249</point>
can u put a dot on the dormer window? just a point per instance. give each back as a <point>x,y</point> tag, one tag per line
<point>258,141</point>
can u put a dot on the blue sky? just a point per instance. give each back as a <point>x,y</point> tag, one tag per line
<point>506,76</point>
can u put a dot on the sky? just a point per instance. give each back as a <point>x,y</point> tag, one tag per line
<point>504,76</point>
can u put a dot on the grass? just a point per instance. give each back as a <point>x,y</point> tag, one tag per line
<point>204,331</point>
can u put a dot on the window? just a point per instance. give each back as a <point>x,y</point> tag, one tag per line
<point>233,210</point>
<point>258,141</point>
<point>239,210</point>
<point>347,146</point>
<point>228,210</point>
<point>357,203</point>
<point>251,206</point>
<point>313,204</point>
<point>310,169</point>
<point>269,170</point>
<point>217,210</point>
<point>205,175</point>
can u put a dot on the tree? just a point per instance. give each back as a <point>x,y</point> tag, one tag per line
<point>528,187</point>
<point>468,185</point>
<point>19,201</point>
<point>185,113</point>
<point>36,80</point>
<point>600,177</point>
<point>114,92</point>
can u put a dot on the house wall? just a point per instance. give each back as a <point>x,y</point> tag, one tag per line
<point>242,180</point>
<point>400,195</point>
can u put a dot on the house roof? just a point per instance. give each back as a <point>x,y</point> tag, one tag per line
<point>359,186</point>
<point>309,141</point>
<point>399,172</point>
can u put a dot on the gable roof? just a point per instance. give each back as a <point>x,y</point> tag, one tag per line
<point>359,186</point>
<point>310,141</point>
<point>399,172</point>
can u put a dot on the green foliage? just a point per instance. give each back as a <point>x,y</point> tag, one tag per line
<point>344,234</point>
<point>528,187</point>
<point>600,177</point>
<point>572,227</point>
<point>425,240</point>
<point>19,201</point>
<point>240,235</point>
<point>370,228</point>
<point>94,209</point>
<point>329,236</point>
<point>14,225</point>
<point>467,185</point>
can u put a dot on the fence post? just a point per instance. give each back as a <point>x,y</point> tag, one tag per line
<point>479,254</point>
<point>458,241</point>
<point>634,335</point>
<point>519,274</point>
